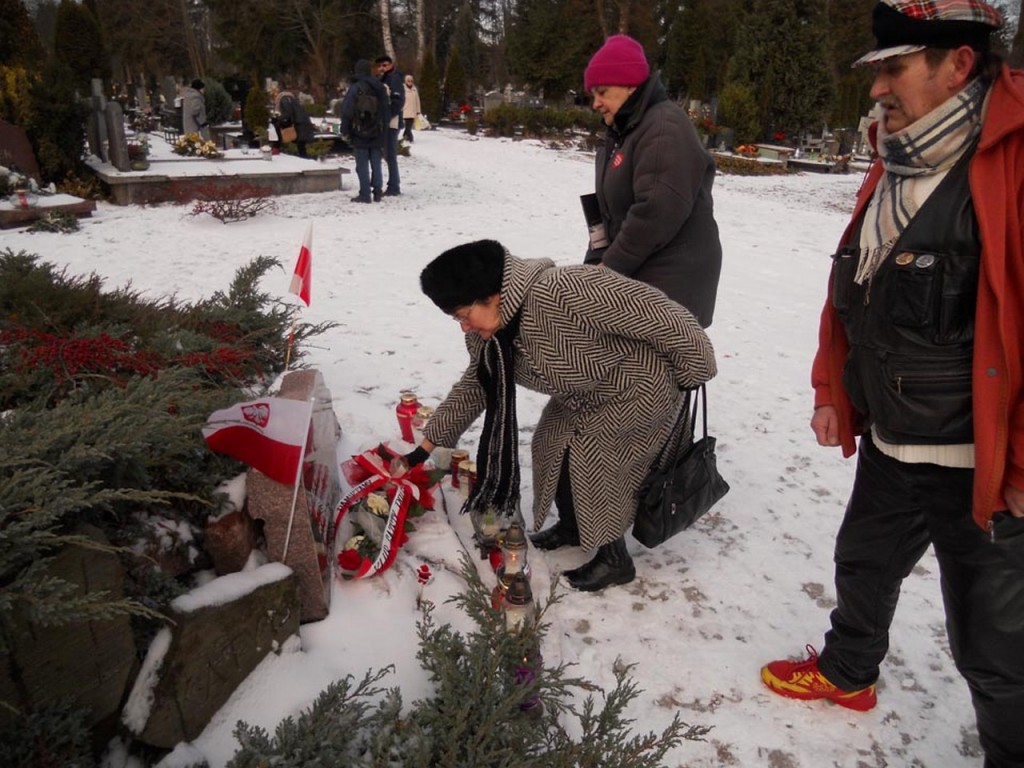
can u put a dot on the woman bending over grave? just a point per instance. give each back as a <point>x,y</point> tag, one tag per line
<point>612,353</point>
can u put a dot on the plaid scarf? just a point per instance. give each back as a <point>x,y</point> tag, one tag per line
<point>928,147</point>
<point>497,462</point>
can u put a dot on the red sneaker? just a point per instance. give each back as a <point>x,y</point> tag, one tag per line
<point>803,680</point>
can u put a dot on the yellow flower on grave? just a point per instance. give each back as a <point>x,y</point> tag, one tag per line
<point>378,504</point>
<point>354,542</point>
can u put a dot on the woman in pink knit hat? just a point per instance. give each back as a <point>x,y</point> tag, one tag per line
<point>653,219</point>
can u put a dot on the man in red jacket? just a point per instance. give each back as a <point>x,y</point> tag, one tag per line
<point>921,355</point>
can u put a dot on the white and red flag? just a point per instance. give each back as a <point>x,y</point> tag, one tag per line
<point>304,267</point>
<point>269,435</point>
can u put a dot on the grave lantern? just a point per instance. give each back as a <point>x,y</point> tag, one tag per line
<point>518,603</point>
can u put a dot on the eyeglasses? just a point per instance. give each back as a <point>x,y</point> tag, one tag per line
<point>462,318</point>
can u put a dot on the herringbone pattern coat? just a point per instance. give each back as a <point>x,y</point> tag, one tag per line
<point>613,354</point>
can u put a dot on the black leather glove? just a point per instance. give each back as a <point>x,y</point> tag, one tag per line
<point>417,457</point>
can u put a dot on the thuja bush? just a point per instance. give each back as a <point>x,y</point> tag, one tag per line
<point>508,119</point>
<point>63,334</point>
<point>475,715</point>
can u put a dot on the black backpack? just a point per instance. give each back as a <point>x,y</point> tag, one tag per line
<point>366,119</point>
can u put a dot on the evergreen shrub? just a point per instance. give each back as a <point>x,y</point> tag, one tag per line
<point>219,105</point>
<point>256,113</point>
<point>106,395</point>
<point>508,119</point>
<point>474,715</point>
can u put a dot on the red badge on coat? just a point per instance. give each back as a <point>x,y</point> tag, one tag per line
<point>617,160</point>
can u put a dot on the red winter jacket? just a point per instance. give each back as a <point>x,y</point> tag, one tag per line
<point>997,188</point>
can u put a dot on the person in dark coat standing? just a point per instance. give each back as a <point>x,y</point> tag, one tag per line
<point>367,145</point>
<point>395,84</point>
<point>291,113</point>
<point>653,185</point>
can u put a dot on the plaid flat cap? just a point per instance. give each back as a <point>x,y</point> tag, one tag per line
<point>906,26</point>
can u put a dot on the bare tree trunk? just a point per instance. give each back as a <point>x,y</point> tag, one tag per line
<point>315,55</point>
<point>602,18</point>
<point>194,59</point>
<point>385,27</point>
<point>623,6</point>
<point>421,36</point>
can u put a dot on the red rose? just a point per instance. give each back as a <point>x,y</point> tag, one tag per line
<point>349,560</point>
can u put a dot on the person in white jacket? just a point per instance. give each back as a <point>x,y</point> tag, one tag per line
<point>411,108</point>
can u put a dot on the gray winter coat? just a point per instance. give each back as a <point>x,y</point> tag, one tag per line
<point>654,187</point>
<point>613,354</point>
<point>193,113</point>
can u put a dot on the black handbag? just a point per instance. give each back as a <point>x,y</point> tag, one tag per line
<point>674,497</point>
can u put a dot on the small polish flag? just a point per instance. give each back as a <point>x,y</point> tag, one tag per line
<point>304,267</point>
<point>269,435</point>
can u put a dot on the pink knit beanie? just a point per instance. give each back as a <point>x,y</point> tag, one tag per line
<point>620,61</point>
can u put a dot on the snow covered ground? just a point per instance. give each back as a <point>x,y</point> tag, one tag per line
<point>752,582</point>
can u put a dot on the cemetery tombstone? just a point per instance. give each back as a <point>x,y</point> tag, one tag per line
<point>96,130</point>
<point>16,151</point>
<point>117,143</point>
<point>304,540</point>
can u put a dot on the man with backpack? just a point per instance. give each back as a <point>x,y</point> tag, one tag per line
<point>395,84</point>
<point>364,124</point>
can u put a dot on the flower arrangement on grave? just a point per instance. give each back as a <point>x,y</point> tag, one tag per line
<point>747,150</point>
<point>376,517</point>
<point>138,148</point>
<point>194,145</point>
<point>702,122</point>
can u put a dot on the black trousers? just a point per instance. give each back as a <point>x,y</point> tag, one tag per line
<point>895,511</point>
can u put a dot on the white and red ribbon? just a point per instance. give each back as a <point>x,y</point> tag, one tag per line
<point>404,493</point>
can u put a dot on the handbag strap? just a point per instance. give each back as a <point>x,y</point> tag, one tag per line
<point>671,446</point>
<point>693,416</point>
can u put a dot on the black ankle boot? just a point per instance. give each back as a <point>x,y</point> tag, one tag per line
<point>556,536</point>
<point>611,565</point>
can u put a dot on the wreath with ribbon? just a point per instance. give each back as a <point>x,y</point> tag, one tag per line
<point>376,514</point>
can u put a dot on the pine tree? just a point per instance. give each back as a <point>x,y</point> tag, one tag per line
<point>782,54</point>
<point>455,86</point>
<point>78,44</point>
<point>430,89</point>
<point>698,47</point>
<point>19,43</point>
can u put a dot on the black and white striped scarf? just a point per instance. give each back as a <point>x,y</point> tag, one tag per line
<point>929,146</point>
<point>497,462</point>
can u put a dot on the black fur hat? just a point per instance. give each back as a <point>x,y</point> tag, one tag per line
<point>464,275</point>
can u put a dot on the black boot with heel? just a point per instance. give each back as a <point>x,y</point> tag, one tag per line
<point>611,565</point>
<point>566,532</point>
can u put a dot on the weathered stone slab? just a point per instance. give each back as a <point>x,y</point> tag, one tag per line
<point>306,548</point>
<point>221,632</point>
<point>91,661</point>
<point>159,185</point>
